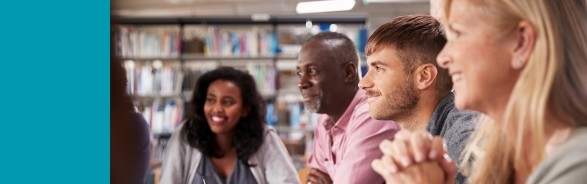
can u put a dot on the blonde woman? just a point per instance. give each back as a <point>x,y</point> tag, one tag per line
<point>523,63</point>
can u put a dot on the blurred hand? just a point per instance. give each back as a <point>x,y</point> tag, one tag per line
<point>316,176</point>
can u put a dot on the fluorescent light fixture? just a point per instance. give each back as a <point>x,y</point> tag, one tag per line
<point>394,1</point>
<point>324,6</point>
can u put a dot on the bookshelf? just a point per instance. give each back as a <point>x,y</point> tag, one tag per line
<point>165,56</point>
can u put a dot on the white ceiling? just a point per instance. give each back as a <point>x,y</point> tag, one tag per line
<point>377,13</point>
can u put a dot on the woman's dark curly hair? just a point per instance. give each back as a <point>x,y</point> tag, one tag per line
<point>249,129</point>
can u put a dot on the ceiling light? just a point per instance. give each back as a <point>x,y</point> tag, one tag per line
<point>324,6</point>
<point>394,1</point>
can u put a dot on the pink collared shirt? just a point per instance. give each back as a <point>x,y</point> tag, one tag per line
<point>346,150</point>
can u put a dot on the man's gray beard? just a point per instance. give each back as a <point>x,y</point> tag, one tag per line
<point>314,107</point>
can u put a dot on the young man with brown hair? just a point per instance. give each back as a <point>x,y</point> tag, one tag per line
<point>405,84</point>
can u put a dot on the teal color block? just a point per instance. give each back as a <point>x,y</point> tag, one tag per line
<point>54,75</point>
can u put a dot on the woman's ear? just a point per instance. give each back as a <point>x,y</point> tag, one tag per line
<point>525,34</point>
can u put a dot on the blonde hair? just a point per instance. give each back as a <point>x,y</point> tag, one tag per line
<point>550,91</point>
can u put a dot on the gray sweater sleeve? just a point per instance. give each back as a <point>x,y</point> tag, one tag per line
<point>567,165</point>
<point>454,127</point>
<point>277,164</point>
<point>178,160</point>
<point>457,137</point>
<point>569,171</point>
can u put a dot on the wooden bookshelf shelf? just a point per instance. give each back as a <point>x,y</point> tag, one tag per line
<point>204,57</point>
<point>145,21</point>
<point>155,96</point>
<point>188,57</point>
<point>150,58</point>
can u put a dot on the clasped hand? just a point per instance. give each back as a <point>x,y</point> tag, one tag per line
<point>415,157</point>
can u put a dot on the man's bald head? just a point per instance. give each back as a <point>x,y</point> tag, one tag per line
<point>337,45</point>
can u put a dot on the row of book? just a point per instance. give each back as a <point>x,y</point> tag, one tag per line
<point>146,80</point>
<point>264,75</point>
<point>294,125</point>
<point>291,115</point>
<point>213,41</point>
<point>145,42</point>
<point>232,42</point>
<point>163,115</point>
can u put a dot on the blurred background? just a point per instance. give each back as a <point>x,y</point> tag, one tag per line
<point>166,44</point>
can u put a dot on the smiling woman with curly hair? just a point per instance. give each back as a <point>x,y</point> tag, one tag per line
<point>225,139</point>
